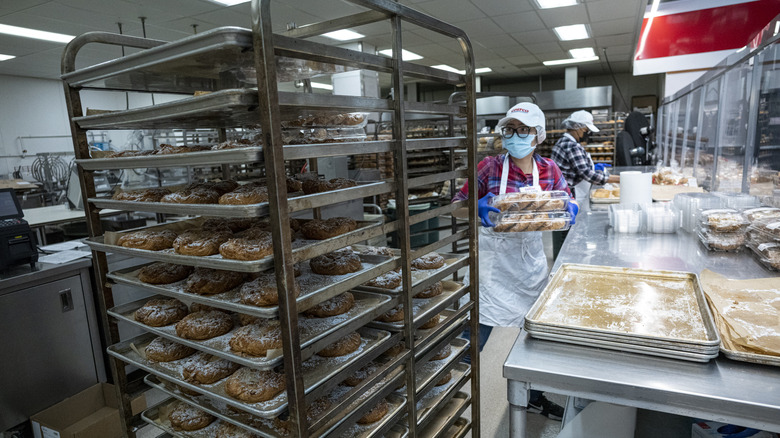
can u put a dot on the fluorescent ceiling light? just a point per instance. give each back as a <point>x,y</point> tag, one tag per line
<point>230,2</point>
<point>405,55</point>
<point>37,34</point>
<point>585,52</point>
<point>321,86</point>
<point>6,57</point>
<point>462,72</point>
<point>548,4</point>
<point>573,32</point>
<point>343,35</point>
<point>570,61</point>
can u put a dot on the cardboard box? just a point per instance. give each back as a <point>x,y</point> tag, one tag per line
<point>92,413</point>
<point>712,429</point>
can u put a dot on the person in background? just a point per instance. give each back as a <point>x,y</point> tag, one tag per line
<point>512,266</point>
<point>575,163</point>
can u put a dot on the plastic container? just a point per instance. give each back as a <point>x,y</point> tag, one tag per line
<point>768,225</point>
<point>690,204</point>
<point>758,236</point>
<point>767,253</point>
<point>738,201</point>
<point>556,200</point>
<point>327,119</point>
<point>754,214</point>
<point>662,218</point>
<point>522,222</point>
<point>723,220</point>
<point>722,241</point>
<point>626,218</point>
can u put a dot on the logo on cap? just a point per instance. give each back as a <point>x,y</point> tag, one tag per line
<point>522,110</point>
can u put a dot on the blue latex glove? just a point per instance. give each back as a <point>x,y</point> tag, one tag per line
<point>483,208</point>
<point>573,209</point>
<point>601,166</point>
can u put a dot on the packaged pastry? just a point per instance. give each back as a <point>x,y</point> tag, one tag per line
<point>755,214</point>
<point>721,241</point>
<point>768,225</point>
<point>327,119</point>
<point>758,236</point>
<point>767,253</point>
<point>723,220</point>
<point>522,222</point>
<point>556,200</point>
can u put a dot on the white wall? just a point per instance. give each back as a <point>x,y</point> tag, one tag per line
<point>676,81</point>
<point>32,107</point>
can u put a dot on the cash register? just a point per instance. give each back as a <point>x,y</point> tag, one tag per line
<point>17,241</point>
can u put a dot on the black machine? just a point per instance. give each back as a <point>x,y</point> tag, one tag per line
<point>17,241</point>
<point>634,145</point>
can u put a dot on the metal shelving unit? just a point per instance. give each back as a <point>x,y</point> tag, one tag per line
<point>211,62</point>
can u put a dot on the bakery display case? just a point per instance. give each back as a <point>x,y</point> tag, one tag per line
<point>720,128</point>
<point>269,317</point>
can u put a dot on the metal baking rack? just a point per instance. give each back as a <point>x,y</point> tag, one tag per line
<point>240,68</point>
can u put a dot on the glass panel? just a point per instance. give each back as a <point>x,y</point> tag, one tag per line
<point>705,156</point>
<point>765,173</point>
<point>679,129</point>
<point>732,132</point>
<point>689,134</point>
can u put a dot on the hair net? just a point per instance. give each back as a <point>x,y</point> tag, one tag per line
<point>571,124</point>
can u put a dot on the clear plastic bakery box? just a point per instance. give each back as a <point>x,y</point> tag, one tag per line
<point>723,220</point>
<point>754,214</point>
<point>690,204</point>
<point>767,253</point>
<point>738,201</point>
<point>758,236</point>
<point>627,218</point>
<point>661,217</point>
<point>555,200</point>
<point>731,242</point>
<point>768,225</point>
<point>509,222</point>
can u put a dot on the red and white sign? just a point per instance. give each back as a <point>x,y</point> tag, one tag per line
<point>695,34</point>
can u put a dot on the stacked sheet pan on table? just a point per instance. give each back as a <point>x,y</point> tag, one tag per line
<point>660,313</point>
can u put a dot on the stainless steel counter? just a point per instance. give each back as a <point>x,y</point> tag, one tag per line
<point>721,390</point>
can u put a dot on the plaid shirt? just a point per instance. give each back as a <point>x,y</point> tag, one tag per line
<point>574,163</point>
<point>489,177</point>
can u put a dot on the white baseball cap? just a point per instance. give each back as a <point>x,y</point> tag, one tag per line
<point>530,115</point>
<point>585,118</point>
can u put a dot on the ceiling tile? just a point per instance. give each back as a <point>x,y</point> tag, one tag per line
<point>545,51</point>
<point>497,42</point>
<point>620,51</point>
<point>522,60</point>
<point>535,37</point>
<point>602,10</point>
<point>564,16</point>
<point>616,40</point>
<point>444,10</point>
<point>604,28</point>
<point>493,8</point>
<point>11,6</point>
<point>524,22</point>
<point>479,27</point>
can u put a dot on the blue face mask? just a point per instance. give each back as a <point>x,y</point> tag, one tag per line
<point>519,147</point>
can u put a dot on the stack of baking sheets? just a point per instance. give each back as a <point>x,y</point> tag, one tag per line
<point>660,313</point>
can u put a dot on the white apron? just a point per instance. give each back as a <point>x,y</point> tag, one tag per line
<point>512,270</point>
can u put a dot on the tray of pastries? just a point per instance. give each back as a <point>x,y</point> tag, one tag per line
<point>555,200</point>
<point>723,220</point>
<point>768,226</point>
<point>510,222</point>
<point>201,242</point>
<point>607,194</point>
<point>426,307</point>
<point>435,371</point>
<point>754,214</point>
<point>768,253</point>
<point>252,294</point>
<point>439,395</point>
<point>229,152</point>
<point>245,339</point>
<point>427,266</point>
<point>258,392</point>
<point>326,119</point>
<point>448,422</point>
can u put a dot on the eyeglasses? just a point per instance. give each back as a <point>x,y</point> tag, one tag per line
<point>522,131</point>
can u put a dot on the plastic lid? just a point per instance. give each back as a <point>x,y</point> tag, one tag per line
<point>555,200</point>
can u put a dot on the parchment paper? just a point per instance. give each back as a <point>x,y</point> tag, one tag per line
<point>747,312</point>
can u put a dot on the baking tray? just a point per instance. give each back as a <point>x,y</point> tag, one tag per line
<point>156,418</point>
<point>601,200</point>
<point>230,108</point>
<point>623,346</point>
<point>671,346</point>
<point>302,249</point>
<point>447,416</point>
<point>565,280</point>
<point>315,333</point>
<point>447,320</point>
<point>450,332</point>
<point>316,371</point>
<point>452,262</point>
<point>375,430</point>
<point>195,63</point>
<point>315,288</point>
<point>428,405</point>
<point>430,372</point>
<point>459,429</point>
<point>253,154</point>
<point>297,202</point>
<point>425,308</point>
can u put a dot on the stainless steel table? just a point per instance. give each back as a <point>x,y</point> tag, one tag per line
<point>721,390</point>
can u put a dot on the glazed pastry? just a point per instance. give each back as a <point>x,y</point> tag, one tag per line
<point>204,325</point>
<point>160,312</point>
<point>317,229</point>
<point>318,186</point>
<point>428,261</point>
<point>431,323</point>
<point>254,386</point>
<point>375,414</point>
<point>393,315</point>
<point>335,306</point>
<point>388,280</point>
<point>340,262</point>
<point>252,193</point>
<point>200,243</point>
<point>342,347</point>
<point>197,195</point>
<point>207,281</point>
<point>443,353</point>
<point>189,418</point>
<point>361,374</point>
<point>431,291</point>
<point>163,273</point>
<point>147,195</point>
<point>262,291</point>
<point>252,244</point>
<point>256,339</point>
<point>165,350</point>
<point>150,240</point>
<point>206,369</point>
